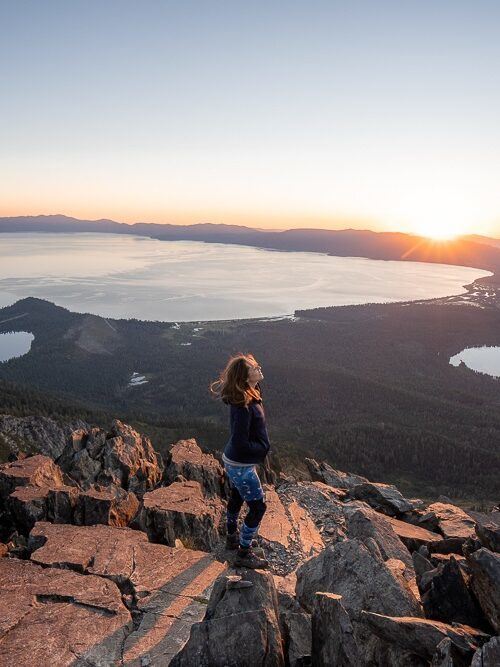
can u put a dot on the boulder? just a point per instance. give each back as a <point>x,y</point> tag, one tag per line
<point>169,587</point>
<point>485,568</point>
<point>421,565</point>
<point>363,523</point>
<point>27,505</point>
<point>413,537</point>
<point>121,456</point>
<point>323,472</point>
<point>449,520</point>
<point>61,503</point>
<point>488,655</point>
<point>449,655</point>
<point>384,498</point>
<point>448,597</point>
<point>35,470</point>
<point>187,459</point>
<point>110,505</point>
<point>357,571</point>
<point>296,634</point>
<point>489,536</point>
<point>240,627</point>
<point>333,640</point>
<point>422,636</point>
<point>4,549</point>
<point>56,617</point>
<point>181,511</point>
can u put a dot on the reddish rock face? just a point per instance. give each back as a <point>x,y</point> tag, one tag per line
<point>451,521</point>
<point>110,505</point>
<point>181,511</point>
<point>187,459</point>
<point>27,505</point>
<point>55,617</point>
<point>413,536</point>
<point>122,457</point>
<point>170,585</point>
<point>40,471</point>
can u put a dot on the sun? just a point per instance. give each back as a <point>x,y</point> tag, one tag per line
<point>439,230</point>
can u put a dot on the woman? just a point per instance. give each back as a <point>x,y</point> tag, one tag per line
<point>248,446</point>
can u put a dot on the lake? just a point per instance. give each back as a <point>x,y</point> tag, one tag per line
<point>15,344</point>
<point>483,359</point>
<point>120,276</point>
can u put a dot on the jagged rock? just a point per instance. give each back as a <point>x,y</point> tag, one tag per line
<point>488,655</point>
<point>187,459</point>
<point>436,559</point>
<point>240,627</point>
<point>384,498</point>
<point>421,564</point>
<point>363,523</point>
<point>485,567</point>
<point>27,505</point>
<point>422,636</point>
<point>297,638</point>
<point>122,457</point>
<point>61,503</point>
<point>35,470</point>
<point>447,546</point>
<point>449,655</point>
<point>110,505</point>
<point>449,520</point>
<point>448,598</point>
<point>181,511</point>
<point>55,617</point>
<point>357,571</point>
<point>323,472</point>
<point>413,536</point>
<point>40,435</point>
<point>489,536</point>
<point>333,639</point>
<point>170,586</point>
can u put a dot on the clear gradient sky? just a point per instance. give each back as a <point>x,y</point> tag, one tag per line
<point>376,114</point>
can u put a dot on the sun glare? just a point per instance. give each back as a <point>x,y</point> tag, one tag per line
<point>440,230</point>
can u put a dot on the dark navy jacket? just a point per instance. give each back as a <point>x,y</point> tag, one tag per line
<point>249,441</point>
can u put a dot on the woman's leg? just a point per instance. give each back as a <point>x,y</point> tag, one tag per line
<point>247,482</point>
<point>234,505</point>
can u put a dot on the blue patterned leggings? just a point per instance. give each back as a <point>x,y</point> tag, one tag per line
<point>245,487</point>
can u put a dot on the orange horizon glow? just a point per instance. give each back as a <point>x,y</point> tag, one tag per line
<point>439,231</point>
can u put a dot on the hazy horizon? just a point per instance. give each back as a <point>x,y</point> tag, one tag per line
<point>325,116</point>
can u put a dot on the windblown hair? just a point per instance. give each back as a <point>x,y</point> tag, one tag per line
<point>232,385</point>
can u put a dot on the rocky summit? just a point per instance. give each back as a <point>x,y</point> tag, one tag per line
<point>111,556</point>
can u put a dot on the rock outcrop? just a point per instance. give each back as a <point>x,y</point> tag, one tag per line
<point>181,511</point>
<point>187,460</point>
<point>121,456</point>
<point>323,472</point>
<point>422,636</point>
<point>56,617</point>
<point>240,627</point>
<point>36,471</point>
<point>348,585</point>
<point>384,498</point>
<point>485,567</point>
<point>41,435</point>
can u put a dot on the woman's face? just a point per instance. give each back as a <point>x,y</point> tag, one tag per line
<point>254,372</point>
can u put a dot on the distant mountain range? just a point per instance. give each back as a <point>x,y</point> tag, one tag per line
<point>475,251</point>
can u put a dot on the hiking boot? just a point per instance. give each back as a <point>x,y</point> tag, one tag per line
<point>247,557</point>
<point>233,541</point>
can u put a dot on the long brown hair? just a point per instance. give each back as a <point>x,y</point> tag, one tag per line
<point>232,384</point>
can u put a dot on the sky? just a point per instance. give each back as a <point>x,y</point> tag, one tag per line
<point>375,115</point>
